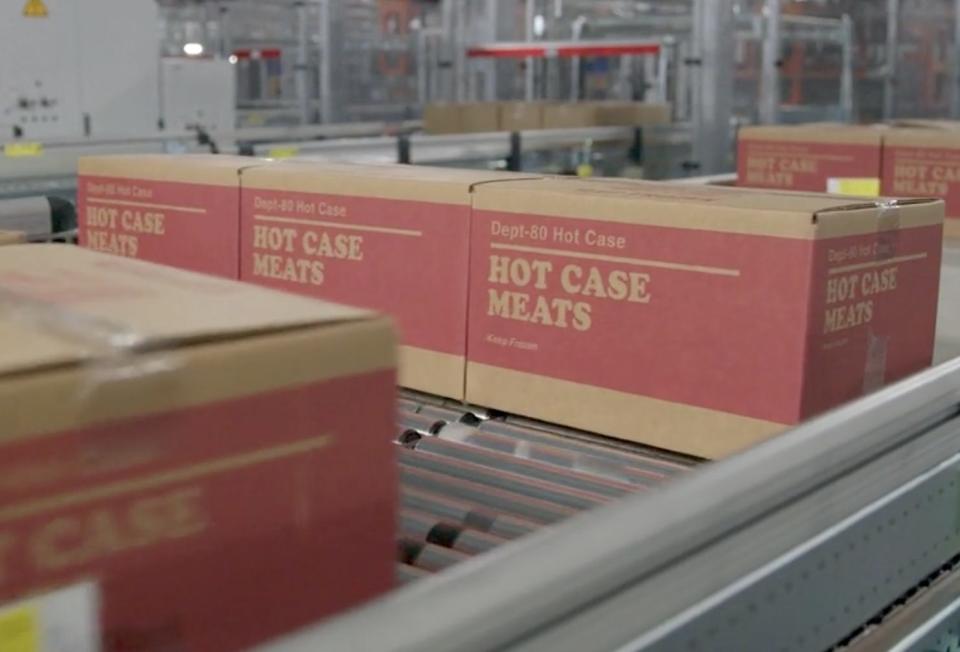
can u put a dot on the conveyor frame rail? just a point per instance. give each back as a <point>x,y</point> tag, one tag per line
<point>794,544</point>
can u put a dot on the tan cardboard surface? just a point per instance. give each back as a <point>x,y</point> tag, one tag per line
<point>442,119</point>
<point>11,237</point>
<point>431,371</point>
<point>732,210</point>
<point>69,304</point>
<point>480,116</point>
<point>214,169</point>
<point>632,113</point>
<point>815,133</point>
<point>926,123</point>
<point>411,182</point>
<point>706,433</point>
<point>945,138</point>
<point>569,115</point>
<point>158,382</point>
<point>520,116</point>
<point>951,228</point>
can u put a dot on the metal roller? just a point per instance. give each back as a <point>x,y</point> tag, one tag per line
<point>466,514</point>
<point>427,556</point>
<point>425,527</point>
<point>499,500</point>
<point>580,462</point>
<point>405,574</point>
<point>424,425</point>
<point>447,414</point>
<point>512,482</point>
<point>656,466</point>
<point>509,463</point>
<point>39,218</point>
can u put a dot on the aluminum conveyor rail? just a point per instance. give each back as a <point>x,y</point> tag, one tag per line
<point>438,149</point>
<point>801,543</point>
<point>52,163</point>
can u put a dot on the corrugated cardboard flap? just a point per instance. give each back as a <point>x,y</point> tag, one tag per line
<point>926,123</point>
<point>387,180</point>
<point>64,305</point>
<point>824,132</point>
<point>945,137</point>
<point>715,208</point>
<point>878,215</point>
<point>11,237</point>
<point>671,193</point>
<point>214,169</point>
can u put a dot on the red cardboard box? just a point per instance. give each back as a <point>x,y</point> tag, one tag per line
<point>925,163</point>
<point>697,319</point>
<point>179,210</point>
<point>391,237</point>
<point>835,158</point>
<point>216,457</point>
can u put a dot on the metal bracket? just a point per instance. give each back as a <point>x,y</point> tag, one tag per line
<point>515,158</point>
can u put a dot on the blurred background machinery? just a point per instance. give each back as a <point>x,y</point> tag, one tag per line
<point>232,70</point>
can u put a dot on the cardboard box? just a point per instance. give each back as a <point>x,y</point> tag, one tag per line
<point>569,115</point>
<point>697,319</point>
<point>925,123</point>
<point>843,159</point>
<point>951,230</point>
<point>216,457</point>
<point>11,237</point>
<point>631,114</point>
<point>441,118</point>
<point>390,237</point>
<point>480,117</point>
<point>924,163</point>
<point>179,210</point>
<point>521,116</point>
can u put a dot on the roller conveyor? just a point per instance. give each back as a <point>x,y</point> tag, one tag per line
<point>841,534</point>
<point>507,480</point>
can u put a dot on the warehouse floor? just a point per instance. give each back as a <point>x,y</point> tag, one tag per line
<point>948,318</point>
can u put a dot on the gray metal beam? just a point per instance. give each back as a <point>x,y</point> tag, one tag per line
<point>529,76</point>
<point>325,67</point>
<point>955,63</point>
<point>714,29</point>
<point>770,68</point>
<point>448,26</point>
<point>301,67</point>
<point>846,73</point>
<point>893,55</point>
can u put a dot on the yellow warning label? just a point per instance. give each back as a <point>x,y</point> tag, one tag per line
<point>35,9</point>
<point>860,186</point>
<point>20,630</point>
<point>283,152</point>
<point>584,170</point>
<point>17,150</point>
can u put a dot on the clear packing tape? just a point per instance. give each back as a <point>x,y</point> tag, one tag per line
<point>888,226</point>
<point>888,236</point>
<point>90,363</point>
<point>108,357</point>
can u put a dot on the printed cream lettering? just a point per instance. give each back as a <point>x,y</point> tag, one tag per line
<point>578,282</point>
